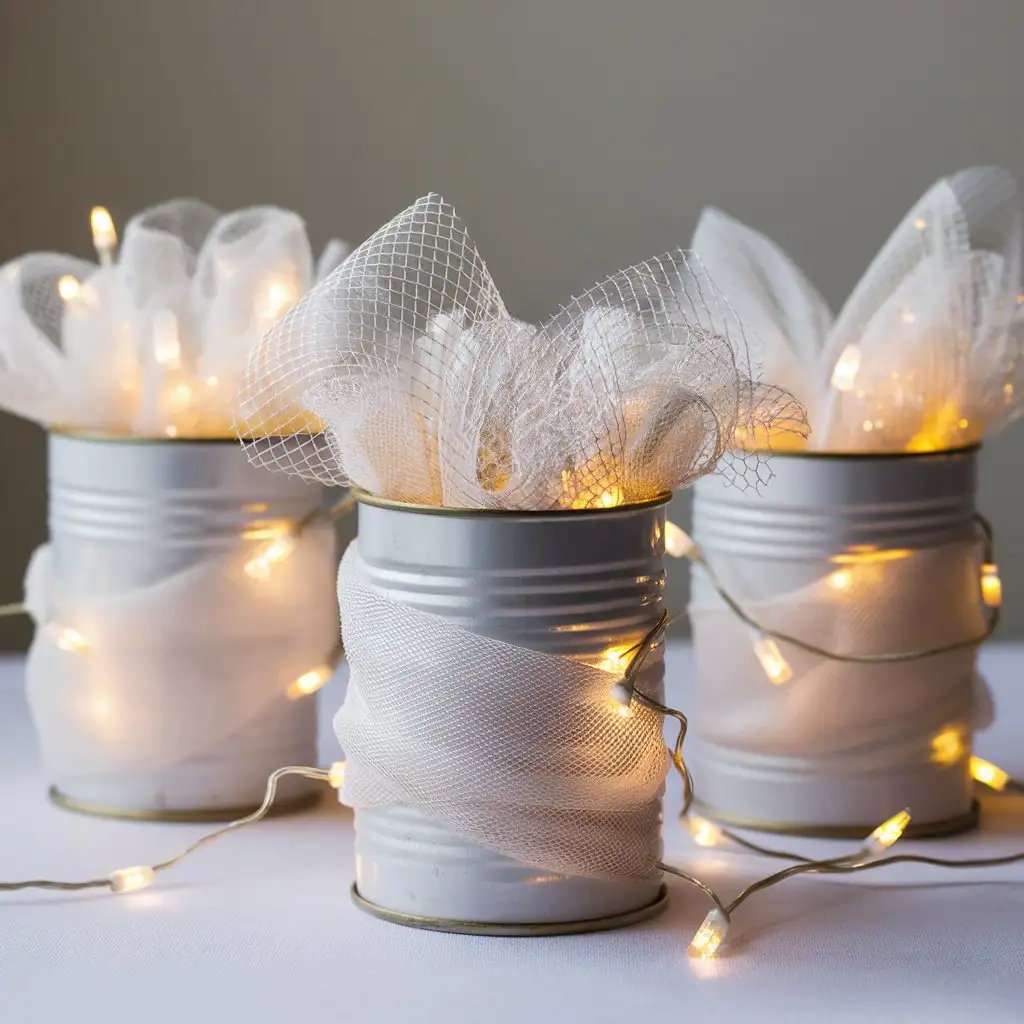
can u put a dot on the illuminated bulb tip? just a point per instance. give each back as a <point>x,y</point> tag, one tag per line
<point>678,543</point>
<point>68,287</point>
<point>166,342</point>
<point>258,567</point>
<point>775,666</point>
<point>130,879</point>
<point>886,834</point>
<point>840,579</point>
<point>991,587</point>
<point>104,234</point>
<point>920,223</point>
<point>845,371</point>
<point>704,832</point>
<point>280,296</point>
<point>710,935</point>
<point>622,694</point>
<point>309,682</point>
<point>336,774</point>
<point>988,774</point>
<point>68,639</point>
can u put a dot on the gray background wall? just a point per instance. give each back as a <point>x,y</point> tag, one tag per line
<point>574,136</point>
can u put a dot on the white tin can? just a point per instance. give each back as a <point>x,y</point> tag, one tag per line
<point>858,555</point>
<point>128,519</point>
<point>569,583</point>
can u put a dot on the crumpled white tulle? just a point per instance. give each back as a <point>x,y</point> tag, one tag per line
<point>518,751</point>
<point>930,341</point>
<point>417,385</point>
<point>155,343</point>
<point>842,717</point>
<point>175,668</point>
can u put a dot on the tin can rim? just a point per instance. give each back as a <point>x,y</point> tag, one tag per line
<point>366,498</point>
<point>116,437</point>
<point>811,454</point>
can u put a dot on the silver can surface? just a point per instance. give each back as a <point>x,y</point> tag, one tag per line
<point>861,555</point>
<point>572,584</point>
<point>171,702</point>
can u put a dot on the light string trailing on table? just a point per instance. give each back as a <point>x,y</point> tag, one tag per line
<point>623,693</point>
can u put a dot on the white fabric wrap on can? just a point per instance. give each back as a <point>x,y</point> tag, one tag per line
<point>518,751</point>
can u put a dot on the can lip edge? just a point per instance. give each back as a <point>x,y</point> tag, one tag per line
<point>366,498</point>
<point>111,437</point>
<point>813,454</point>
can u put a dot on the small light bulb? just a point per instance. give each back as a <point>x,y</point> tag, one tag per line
<point>131,879</point>
<point>280,296</point>
<point>171,431</point>
<point>840,579</point>
<point>920,223</point>
<point>309,682</point>
<point>845,370</point>
<point>991,587</point>
<point>258,567</point>
<point>775,666</point>
<point>68,288</point>
<point>710,935</point>
<point>336,774</point>
<point>908,316</point>
<point>678,543</point>
<point>212,382</point>
<point>166,342</point>
<point>988,774</point>
<point>622,699</point>
<point>181,395</point>
<point>609,499</point>
<point>948,745</point>
<point>704,832</point>
<point>885,835</point>
<point>104,234</point>
<point>68,639</point>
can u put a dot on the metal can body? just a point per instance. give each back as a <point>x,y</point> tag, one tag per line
<point>127,515</point>
<point>839,747</point>
<point>571,584</point>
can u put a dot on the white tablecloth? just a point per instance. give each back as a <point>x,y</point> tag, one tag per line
<point>260,928</point>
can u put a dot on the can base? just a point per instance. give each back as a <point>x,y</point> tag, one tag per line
<point>438,924</point>
<point>291,805</point>
<point>965,822</point>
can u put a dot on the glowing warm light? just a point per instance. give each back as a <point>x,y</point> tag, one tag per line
<point>991,586</point>
<point>678,543</point>
<point>704,832</point>
<point>181,395</point>
<point>68,639</point>
<point>280,296</point>
<point>988,774</point>
<point>259,566</point>
<point>166,342</point>
<point>845,371</point>
<point>68,288</point>
<point>886,834</point>
<point>1008,391</point>
<point>840,579</point>
<point>336,774</point>
<point>609,499</point>
<point>212,382</point>
<point>868,425</point>
<point>309,682</point>
<point>171,431</point>
<point>908,316</point>
<point>775,666</point>
<point>868,555</point>
<point>613,659</point>
<point>622,699</point>
<point>131,879</point>
<point>710,935</point>
<point>920,223</point>
<point>104,234</point>
<point>948,745</point>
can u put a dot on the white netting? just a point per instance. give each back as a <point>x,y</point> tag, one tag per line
<point>177,669</point>
<point>925,354</point>
<point>156,342</point>
<point>414,383</point>
<point>518,751</point>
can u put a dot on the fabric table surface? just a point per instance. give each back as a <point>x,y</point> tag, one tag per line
<point>259,927</point>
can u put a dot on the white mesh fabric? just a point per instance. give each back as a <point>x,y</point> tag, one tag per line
<point>520,752</point>
<point>176,668</point>
<point>939,364</point>
<point>414,382</point>
<point>155,343</point>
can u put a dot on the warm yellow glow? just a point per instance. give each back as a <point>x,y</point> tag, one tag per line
<point>623,710</point>
<point>988,774</point>
<point>908,316</point>
<point>267,556</point>
<point>845,371</point>
<point>1008,391</point>
<point>948,745</point>
<point>104,234</point>
<point>212,382</point>
<point>68,639</point>
<point>611,498</point>
<point>614,659</point>
<point>710,935</point>
<point>166,342</point>
<point>309,682</point>
<point>868,555</point>
<point>840,579</point>
<point>171,430</point>
<point>131,879</point>
<point>336,774</point>
<point>704,832</point>
<point>991,587</point>
<point>68,287</point>
<point>181,395</point>
<point>775,666</point>
<point>941,429</point>
<point>868,425</point>
<point>678,543</point>
<point>280,296</point>
<point>920,223</point>
<point>889,831</point>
